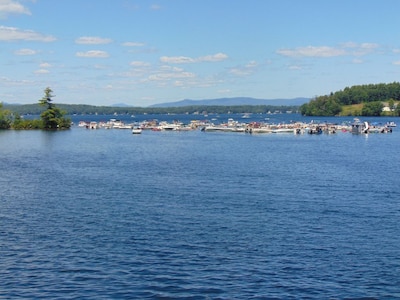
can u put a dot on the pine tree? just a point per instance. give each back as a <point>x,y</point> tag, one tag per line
<point>52,117</point>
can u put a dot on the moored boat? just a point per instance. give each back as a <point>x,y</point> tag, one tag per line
<point>136,130</point>
<point>358,127</point>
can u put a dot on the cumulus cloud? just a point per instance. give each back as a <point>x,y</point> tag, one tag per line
<point>15,34</point>
<point>8,7</point>
<point>25,52</point>
<point>93,54</point>
<point>185,60</point>
<point>92,40</point>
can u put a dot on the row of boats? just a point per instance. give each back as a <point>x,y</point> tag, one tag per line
<point>357,127</point>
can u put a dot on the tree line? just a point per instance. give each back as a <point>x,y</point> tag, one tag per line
<point>371,97</point>
<point>82,109</point>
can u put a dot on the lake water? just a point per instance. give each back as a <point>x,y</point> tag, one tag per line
<point>105,214</point>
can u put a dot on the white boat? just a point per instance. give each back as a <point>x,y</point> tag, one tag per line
<point>93,125</point>
<point>83,124</point>
<point>170,126</point>
<point>391,124</point>
<point>283,130</point>
<point>136,130</point>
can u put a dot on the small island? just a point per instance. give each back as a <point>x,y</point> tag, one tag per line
<point>51,118</point>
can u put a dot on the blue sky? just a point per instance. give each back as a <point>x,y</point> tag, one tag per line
<point>142,52</point>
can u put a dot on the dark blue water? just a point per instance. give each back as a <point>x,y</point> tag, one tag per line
<point>104,214</point>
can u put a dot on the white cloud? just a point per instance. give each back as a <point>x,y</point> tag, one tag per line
<point>167,73</point>
<point>171,75</point>
<point>45,65</point>
<point>6,81</point>
<point>8,7</point>
<point>348,48</point>
<point>92,40</point>
<point>244,70</point>
<point>212,58</point>
<point>93,53</point>
<point>312,51</point>
<point>139,64</point>
<point>133,44</point>
<point>15,34</point>
<point>25,52</point>
<point>396,63</point>
<point>176,59</point>
<point>185,60</point>
<point>295,68</point>
<point>364,49</point>
<point>42,71</point>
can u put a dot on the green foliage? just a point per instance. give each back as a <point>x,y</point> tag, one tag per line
<point>391,104</point>
<point>5,118</point>
<point>46,100</point>
<point>52,117</point>
<point>328,105</point>
<point>321,106</point>
<point>20,123</point>
<point>372,109</point>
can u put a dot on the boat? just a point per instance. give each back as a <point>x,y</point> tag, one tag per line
<point>93,125</point>
<point>391,124</point>
<point>136,130</point>
<point>283,130</point>
<point>83,124</point>
<point>358,127</point>
<point>315,130</point>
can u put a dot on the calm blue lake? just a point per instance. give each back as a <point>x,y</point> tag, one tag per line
<point>105,214</point>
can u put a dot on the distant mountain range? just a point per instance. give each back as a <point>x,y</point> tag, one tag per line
<point>235,101</point>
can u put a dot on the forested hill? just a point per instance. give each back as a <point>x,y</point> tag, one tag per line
<point>371,96</point>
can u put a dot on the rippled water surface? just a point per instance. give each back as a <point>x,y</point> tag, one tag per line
<point>105,214</point>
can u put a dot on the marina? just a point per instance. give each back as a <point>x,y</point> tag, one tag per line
<point>232,125</point>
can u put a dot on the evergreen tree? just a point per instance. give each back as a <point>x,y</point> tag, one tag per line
<point>52,117</point>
